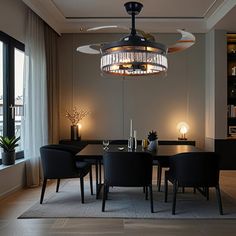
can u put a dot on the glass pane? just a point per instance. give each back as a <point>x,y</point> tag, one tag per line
<point>19,99</point>
<point>1,88</point>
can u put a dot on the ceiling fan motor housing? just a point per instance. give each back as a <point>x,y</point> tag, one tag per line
<point>133,7</point>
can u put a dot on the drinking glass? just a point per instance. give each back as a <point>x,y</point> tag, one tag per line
<point>105,144</point>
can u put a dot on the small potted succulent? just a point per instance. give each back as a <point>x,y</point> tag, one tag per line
<point>8,145</point>
<point>153,141</point>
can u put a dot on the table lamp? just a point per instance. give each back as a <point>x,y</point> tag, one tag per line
<point>183,128</point>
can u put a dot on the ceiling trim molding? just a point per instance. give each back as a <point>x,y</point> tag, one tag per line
<point>221,11</point>
<point>42,13</point>
<point>210,8</point>
<point>53,16</point>
<point>141,17</point>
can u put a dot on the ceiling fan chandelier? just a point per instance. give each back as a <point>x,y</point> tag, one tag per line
<point>136,55</point>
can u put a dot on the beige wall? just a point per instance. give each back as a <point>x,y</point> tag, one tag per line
<point>158,103</point>
<point>13,18</point>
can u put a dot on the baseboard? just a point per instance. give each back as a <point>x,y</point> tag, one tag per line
<point>11,191</point>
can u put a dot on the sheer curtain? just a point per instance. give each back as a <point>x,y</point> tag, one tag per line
<point>36,112</point>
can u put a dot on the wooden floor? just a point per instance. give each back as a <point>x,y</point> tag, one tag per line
<point>14,205</point>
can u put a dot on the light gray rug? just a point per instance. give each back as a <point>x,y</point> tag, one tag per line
<point>129,203</point>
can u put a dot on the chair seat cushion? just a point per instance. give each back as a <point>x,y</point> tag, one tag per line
<point>83,167</point>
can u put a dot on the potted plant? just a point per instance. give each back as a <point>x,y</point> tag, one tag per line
<point>152,138</point>
<point>8,145</point>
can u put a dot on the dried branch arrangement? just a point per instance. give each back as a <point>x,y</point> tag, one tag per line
<point>76,115</point>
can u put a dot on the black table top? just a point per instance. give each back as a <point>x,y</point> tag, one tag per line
<point>96,150</point>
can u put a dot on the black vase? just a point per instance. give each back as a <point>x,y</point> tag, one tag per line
<point>74,132</point>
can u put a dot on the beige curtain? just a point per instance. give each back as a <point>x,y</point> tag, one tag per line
<point>51,38</point>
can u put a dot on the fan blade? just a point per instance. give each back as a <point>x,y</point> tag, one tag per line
<point>90,49</point>
<point>147,36</point>
<point>186,41</point>
<point>107,27</point>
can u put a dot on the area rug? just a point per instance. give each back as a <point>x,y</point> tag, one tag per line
<point>129,203</point>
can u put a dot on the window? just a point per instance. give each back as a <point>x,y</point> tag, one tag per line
<point>11,88</point>
<point>18,93</point>
<point>1,88</point>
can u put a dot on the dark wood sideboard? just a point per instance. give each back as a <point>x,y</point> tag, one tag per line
<point>83,143</point>
<point>226,148</point>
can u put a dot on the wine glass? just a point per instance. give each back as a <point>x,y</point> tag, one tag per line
<point>105,144</point>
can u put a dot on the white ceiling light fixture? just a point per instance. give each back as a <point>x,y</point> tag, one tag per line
<point>136,54</point>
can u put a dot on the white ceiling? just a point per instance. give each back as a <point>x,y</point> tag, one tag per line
<point>70,16</point>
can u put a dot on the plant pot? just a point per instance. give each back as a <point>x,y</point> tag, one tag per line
<point>152,146</point>
<point>8,158</point>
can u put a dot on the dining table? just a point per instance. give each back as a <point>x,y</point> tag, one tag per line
<point>161,156</point>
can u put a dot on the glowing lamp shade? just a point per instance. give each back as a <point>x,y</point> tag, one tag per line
<point>183,128</point>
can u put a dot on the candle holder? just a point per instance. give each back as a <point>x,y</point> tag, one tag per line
<point>131,143</point>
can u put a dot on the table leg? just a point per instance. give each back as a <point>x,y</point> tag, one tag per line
<point>99,183</point>
<point>97,187</point>
<point>100,172</point>
<point>159,169</point>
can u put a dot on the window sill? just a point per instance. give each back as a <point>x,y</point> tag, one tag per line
<point>19,161</point>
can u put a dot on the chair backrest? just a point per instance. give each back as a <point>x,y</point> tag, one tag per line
<point>200,169</point>
<point>127,168</point>
<point>58,161</point>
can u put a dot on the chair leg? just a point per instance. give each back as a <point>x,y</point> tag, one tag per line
<point>104,196</point>
<point>151,198</point>
<point>82,189</point>
<point>159,170</point>
<point>146,192</point>
<point>194,190</point>
<point>91,180</point>
<point>183,190</point>
<point>207,193</point>
<point>166,188</point>
<point>97,184</point>
<point>175,189</point>
<point>43,190</point>
<point>144,189</point>
<point>58,185</point>
<point>218,195</point>
<point>100,171</point>
<point>107,191</point>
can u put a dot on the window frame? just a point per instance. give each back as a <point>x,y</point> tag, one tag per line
<point>8,84</point>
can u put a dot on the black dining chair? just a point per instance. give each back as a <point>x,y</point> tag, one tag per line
<point>59,162</point>
<point>127,169</point>
<point>194,169</point>
<point>164,163</point>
